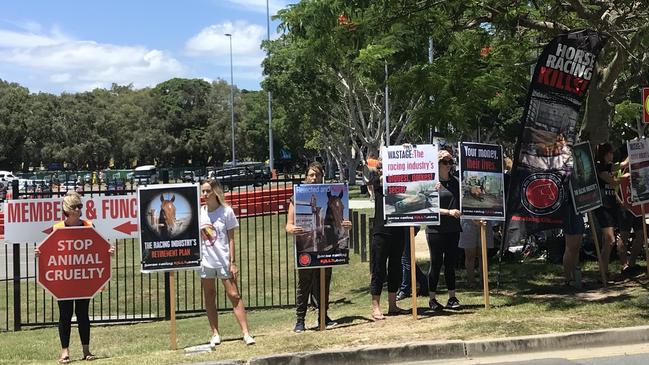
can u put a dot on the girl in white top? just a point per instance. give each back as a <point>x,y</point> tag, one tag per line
<point>218,223</point>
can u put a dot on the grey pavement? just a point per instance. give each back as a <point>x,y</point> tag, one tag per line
<point>455,350</point>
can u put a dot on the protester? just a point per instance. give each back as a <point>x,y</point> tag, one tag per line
<point>372,163</point>
<point>217,221</point>
<point>386,249</point>
<point>608,214</point>
<point>470,241</point>
<point>309,279</point>
<point>443,239</point>
<point>72,210</point>
<point>628,223</point>
<point>405,290</point>
<point>573,232</point>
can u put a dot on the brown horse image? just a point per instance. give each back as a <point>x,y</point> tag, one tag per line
<point>334,232</point>
<point>167,218</point>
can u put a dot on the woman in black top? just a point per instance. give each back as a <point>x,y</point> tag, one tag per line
<point>608,215</point>
<point>443,239</point>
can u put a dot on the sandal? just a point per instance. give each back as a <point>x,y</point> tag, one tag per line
<point>89,357</point>
<point>64,360</point>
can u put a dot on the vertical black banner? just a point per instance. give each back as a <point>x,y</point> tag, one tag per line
<point>543,160</point>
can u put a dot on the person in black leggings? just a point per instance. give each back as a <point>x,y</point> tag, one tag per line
<point>386,249</point>
<point>443,239</point>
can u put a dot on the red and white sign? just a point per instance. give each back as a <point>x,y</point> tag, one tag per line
<point>31,220</point>
<point>625,197</point>
<point>645,104</point>
<point>74,263</point>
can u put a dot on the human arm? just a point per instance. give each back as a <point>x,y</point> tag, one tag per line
<point>234,270</point>
<point>290,221</point>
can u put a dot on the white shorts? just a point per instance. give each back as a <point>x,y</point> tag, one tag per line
<point>215,273</point>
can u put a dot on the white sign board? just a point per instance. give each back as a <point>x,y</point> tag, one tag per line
<point>31,220</point>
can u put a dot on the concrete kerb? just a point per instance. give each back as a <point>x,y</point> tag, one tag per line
<point>421,351</point>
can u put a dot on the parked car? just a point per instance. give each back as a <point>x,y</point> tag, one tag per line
<point>245,173</point>
<point>147,174</point>
<point>6,177</point>
<point>190,176</point>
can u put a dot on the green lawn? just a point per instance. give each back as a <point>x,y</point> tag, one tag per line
<point>530,300</point>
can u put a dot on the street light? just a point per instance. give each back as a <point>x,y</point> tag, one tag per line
<point>271,163</point>
<point>234,160</point>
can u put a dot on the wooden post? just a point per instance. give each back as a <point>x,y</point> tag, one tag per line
<point>644,234</point>
<point>485,268</point>
<point>323,304</point>
<point>172,303</point>
<point>413,273</point>
<point>591,222</point>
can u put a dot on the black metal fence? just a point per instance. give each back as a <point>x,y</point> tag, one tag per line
<point>265,257</point>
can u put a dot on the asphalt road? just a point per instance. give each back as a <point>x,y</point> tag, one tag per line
<point>627,355</point>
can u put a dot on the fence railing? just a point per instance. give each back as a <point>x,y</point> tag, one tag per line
<point>267,277</point>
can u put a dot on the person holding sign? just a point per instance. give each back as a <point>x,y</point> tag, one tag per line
<point>308,279</point>
<point>608,215</point>
<point>217,222</point>
<point>72,210</point>
<point>470,242</point>
<point>443,239</point>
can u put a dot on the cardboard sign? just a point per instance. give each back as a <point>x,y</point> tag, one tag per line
<point>319,211</point>
<point>639,169</point>
<point>74,263</point>
<point>583,180</point>
<point>410,196</point>
<point>169,227</point>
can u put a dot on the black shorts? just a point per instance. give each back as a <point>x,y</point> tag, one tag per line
<point>607,217</point>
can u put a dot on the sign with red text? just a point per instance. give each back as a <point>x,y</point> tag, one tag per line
<point>482,186</point>
<point>639,169</point>
<point>31,220</point>
<point>645,104</point>
<point>410,196</point>
<point>74,263</point>
<point>625,197</point>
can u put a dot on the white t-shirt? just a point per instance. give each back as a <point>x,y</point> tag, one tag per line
<point>216,251</point>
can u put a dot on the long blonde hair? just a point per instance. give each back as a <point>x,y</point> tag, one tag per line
<point>218,191</point>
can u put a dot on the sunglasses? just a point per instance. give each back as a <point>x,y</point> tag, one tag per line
<point>77,206</point>
<point>447,162</point>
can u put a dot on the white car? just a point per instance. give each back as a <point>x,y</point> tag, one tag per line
<point>6,177</point>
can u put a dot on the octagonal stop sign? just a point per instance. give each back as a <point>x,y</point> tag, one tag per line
<point>74,263</point>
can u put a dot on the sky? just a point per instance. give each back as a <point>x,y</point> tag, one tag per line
<point>79,45</point>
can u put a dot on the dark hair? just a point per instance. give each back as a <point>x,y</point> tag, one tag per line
<point>602,150</point>
<point>317,166</point>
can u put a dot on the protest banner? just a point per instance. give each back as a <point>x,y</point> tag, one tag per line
<point>319,211</point>
<point>583,180</point>
<point>31,220</point>
<point>639,169</point>
<point>542,157</point>
<point>482,193</point>
<point>73,263</point>
<point>410,196</point>
<point>169,227</point>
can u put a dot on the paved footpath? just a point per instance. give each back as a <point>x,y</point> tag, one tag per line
<point>452,350</point>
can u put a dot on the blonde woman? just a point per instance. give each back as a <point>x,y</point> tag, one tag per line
<point>218,223</point>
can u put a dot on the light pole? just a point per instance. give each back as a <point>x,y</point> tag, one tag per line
<point>234,160</point>
<point>271,164</point>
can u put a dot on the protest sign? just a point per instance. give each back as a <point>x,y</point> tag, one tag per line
<point>481,178</point>
<point>409,178</point>
<point>639,169</point>
<point>583,180</point>
<point>320,210</point>
<point>169,227</point>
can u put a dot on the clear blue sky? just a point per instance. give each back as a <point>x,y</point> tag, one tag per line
<point>78,45</point>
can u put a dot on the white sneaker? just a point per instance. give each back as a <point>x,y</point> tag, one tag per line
<point>248,339</point>
<point>215,340</point>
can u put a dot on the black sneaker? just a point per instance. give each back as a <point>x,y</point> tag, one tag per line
<point>401,295</point>
<point>435,305</point>
<point>453,303</point>
<point>299,326</point>
<point>330,323</point>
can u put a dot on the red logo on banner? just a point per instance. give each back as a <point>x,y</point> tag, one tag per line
<point>304,259</point>
<point>645,104</point>
<point>542,193</point>
<point>74,263</point>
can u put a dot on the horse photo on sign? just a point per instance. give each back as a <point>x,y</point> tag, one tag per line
<point>168,221</point>
<point>320,210</point>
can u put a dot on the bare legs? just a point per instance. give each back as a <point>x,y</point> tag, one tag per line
<point>239,309</point>
<point>571,256</point>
